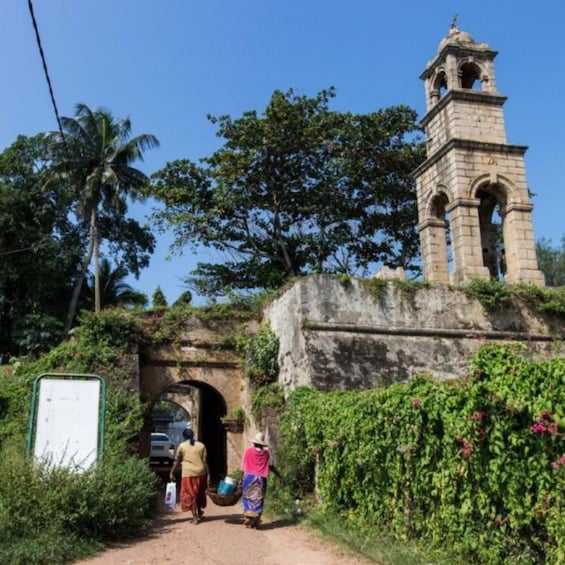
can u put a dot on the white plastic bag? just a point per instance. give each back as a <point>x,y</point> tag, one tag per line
<point>171,495</point>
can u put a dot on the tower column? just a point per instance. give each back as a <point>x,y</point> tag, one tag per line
<point>520,252</point>
<point>434,250</point>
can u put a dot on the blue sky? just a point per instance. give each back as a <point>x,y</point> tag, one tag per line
<point>166,64</point>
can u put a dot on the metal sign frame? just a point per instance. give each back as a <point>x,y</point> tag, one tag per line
<point>71,403</point>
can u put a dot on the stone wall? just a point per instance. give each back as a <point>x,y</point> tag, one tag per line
<point>336,334</point>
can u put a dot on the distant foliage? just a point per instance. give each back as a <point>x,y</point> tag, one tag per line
<point>158,299</point>
<point>551,261</point>
<point>185,299</point>
<point>476,465</point>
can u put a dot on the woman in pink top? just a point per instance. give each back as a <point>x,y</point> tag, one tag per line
<point>256,460</point>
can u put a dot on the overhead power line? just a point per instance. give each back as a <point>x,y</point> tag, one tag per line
<point>44,62</point>
<point>23,249</point>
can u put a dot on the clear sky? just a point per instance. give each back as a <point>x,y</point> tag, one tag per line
<point>168,63</point>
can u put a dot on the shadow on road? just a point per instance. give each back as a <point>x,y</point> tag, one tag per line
<point>235,520</point>
<point>283,523</point>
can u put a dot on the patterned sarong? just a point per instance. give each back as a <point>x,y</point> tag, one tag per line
<point>193,493</point>
<point>253,491</point>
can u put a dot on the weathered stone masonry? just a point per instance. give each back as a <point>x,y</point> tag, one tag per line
<point>337,335</point>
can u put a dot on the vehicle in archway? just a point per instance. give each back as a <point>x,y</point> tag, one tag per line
<point>162,449</point>
<point>162,452</point>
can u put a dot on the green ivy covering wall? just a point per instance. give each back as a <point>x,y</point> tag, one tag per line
<point>475,465</point>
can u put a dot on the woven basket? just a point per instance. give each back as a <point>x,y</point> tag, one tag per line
<point>224,499</point>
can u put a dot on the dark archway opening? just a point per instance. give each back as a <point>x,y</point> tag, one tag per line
<point>212,432</point>
<point>440,85</point>
<point>492,201</point>
<point>470,76</point>
<point>205,407</point>
<point>438,210</point>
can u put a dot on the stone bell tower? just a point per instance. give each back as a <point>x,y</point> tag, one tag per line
<point>472,175</point>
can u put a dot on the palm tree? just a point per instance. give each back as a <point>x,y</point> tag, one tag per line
<point>114,291</point>
<point>94,155</point>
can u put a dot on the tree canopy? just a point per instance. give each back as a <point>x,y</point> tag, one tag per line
<point>39,250</point>
<point>61,195</point>
<point>299,189</point>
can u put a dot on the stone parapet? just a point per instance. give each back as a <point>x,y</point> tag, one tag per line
<point>336,335</point>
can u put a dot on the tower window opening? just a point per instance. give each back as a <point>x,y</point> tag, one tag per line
<point>438,211</point>
<point>449,245</point>
<point>492,231</point>
<point>440,84</point>
<point>470,76</point>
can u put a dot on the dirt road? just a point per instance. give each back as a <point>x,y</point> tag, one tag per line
<point>221,539</point>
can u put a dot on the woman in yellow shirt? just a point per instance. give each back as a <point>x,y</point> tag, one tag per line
<point>192,457</point>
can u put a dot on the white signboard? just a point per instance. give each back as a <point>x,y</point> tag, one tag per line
<point>67,422</point>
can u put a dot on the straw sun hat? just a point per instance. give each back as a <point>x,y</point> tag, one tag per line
<point>259,439</point>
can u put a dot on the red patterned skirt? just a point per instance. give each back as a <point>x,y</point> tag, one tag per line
<point>193,493</point>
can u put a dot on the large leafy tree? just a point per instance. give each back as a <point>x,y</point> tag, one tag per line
<point>296,190</point>
<point>94,159</point>
<point>39,248</point>
<point>551,261</point>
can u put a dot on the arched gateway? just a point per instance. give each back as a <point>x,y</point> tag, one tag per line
<point>203,374</point>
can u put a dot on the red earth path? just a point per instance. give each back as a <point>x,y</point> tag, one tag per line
<point>221,539</point>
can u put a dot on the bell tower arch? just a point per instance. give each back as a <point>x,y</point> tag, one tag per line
<point>472,175</point>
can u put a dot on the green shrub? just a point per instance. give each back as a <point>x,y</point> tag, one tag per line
<point>297,454</point>
<point>495,294</point>
<point>52,514</point>
<point>48,546</point>
<point>492,294</point>
<point>549,300</point>
<point>267,396</point>
<point>376,288</point>
<point>261,357</point>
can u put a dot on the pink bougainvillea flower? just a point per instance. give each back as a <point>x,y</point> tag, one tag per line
<point>546,424</point>
<point>467,447</point>
<point>559,462</point>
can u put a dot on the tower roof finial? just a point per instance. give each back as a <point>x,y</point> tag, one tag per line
<point>453,27</point>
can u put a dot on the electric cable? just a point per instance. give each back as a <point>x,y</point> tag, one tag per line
<point>44,62</point>
<point>21,250</point>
